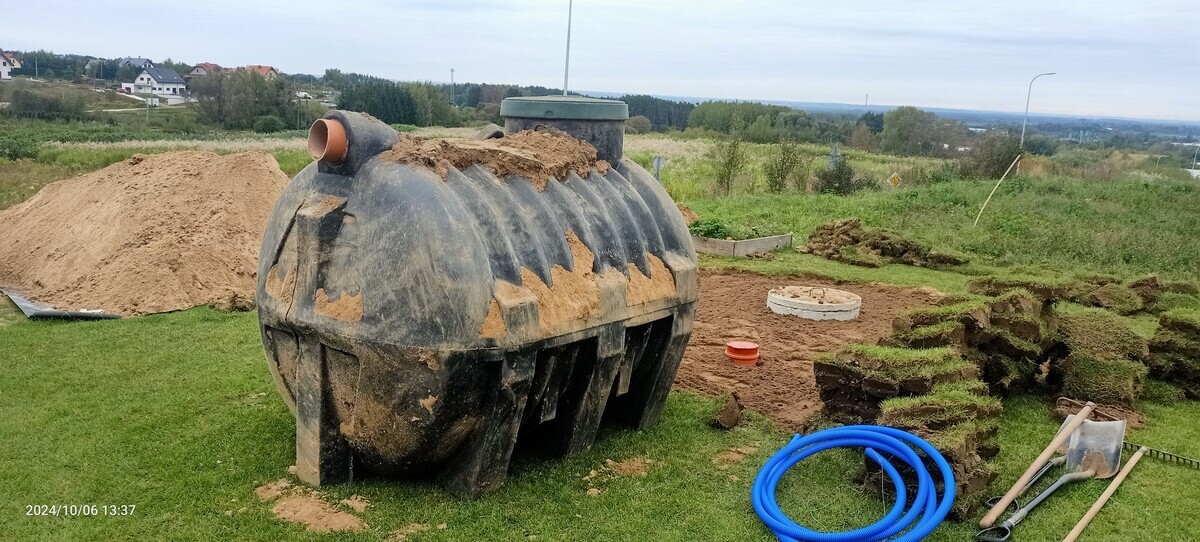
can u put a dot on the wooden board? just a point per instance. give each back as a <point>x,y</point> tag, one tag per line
<point>744,247</point>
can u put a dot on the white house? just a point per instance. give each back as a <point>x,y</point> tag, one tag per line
<point>7,63</point>
<point>158,81</point>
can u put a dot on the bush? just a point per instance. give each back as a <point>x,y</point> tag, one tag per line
<point>638,124</point>
<point>18,148</point>
<point>268,124</point>
<point>780,167</point>
<point>730,159</point>
<point>710,228</point>
<point>840,180</point>
<point>30,102</point>
<point>992,156</point>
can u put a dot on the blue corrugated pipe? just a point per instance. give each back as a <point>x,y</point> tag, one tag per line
<point>921,519</point>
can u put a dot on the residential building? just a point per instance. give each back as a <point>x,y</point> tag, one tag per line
<point>203,68</point>
<point>135,63</point>
<point>158,81</point>
<point>8,62</point>
<point>267,72</point>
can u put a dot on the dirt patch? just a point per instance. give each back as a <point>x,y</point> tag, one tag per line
<point>303,505</point>
<point>815,294</point>
<point>493,323</point>
<point>732,456</point>
<point>272,490</point>
<point>847,241</point>
<point>689,216</point>
<point>733,307</point>
<point>404,532</point>
<point>358,503</point>
<point>637,466</point>
<point>152,234</point>
<point>346,307</point>
<point>573,298</point>
<point>534,155</point>
<point>642,289</point>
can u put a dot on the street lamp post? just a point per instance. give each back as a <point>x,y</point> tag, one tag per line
<point>567,64</point>
<point>1028,94</point>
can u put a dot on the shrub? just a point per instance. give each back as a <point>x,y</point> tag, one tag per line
<point>992,156</point>
<point>840,180</point>
<point>780,167</point>
<point>18,148</point>
<point>729,159</point>
<point>710,228</point>
<point>638,124</point>
<point>268,124</point>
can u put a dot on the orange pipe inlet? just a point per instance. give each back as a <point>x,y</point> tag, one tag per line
<point>742,352</point>
<point>327,140</point>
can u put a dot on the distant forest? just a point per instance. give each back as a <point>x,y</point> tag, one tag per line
<point>235,101</point>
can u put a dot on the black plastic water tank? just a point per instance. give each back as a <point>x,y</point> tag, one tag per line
<point>422,321</point>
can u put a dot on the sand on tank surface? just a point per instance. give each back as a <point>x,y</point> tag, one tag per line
<point>534,155</point>
<point>151,234</point>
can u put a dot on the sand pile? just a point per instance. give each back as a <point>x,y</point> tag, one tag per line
<point>152,234</point>
<point>534,155</point>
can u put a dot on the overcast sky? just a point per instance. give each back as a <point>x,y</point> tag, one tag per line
<point>1113,57</point>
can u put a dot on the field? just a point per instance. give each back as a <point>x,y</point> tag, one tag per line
<point>176,413</point>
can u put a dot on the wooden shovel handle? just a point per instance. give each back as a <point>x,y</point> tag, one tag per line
<point>1015,490</point>
<point>1108,493</point>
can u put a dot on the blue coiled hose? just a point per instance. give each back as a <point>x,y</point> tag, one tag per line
<point>921,519</point>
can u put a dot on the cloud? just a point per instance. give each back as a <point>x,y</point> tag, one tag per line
<point>1123,57</point>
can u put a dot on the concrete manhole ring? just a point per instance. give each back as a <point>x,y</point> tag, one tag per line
<point>814,302</point>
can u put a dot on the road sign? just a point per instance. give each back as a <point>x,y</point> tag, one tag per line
<point>659,162</point>
<point>894,180</point>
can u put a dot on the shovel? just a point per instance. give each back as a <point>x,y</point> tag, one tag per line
<point>1093,451</point>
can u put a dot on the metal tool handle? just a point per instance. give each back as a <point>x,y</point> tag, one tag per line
<point>998,533</point>
<point>1054,462</point>
<point>1108,493</point>
<point>1061,481</point>
<point>1062,436</point>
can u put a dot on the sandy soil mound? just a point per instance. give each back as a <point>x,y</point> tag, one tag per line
<point>152,234</point>
<point>537,156</point>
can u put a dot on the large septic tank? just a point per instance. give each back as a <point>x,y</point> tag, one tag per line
<point>427,305</point>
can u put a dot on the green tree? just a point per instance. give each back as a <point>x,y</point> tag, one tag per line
<point>661,112</point>
<point>874,121</point>
<point>909,131</point>
<point>234,100</point>
<point>762,131</point>
<point>638,124</point>
<point>722,116</point>
<point>863,139</point>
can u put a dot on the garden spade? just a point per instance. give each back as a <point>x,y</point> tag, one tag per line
<point>1093,451</point>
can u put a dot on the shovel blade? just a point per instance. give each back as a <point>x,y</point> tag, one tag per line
<point>1096,445</point>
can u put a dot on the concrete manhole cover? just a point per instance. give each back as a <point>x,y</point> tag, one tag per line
<point>814,302</point>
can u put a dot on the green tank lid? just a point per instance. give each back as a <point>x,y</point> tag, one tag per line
<point>564,108</point>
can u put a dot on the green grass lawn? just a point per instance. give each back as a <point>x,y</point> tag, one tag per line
<point>1067,225</point>
<point>176,413</point>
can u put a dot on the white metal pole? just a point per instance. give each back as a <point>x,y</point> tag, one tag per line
<point>1026,119</point>
<point>1194,155</point>
<point>567,66</point>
